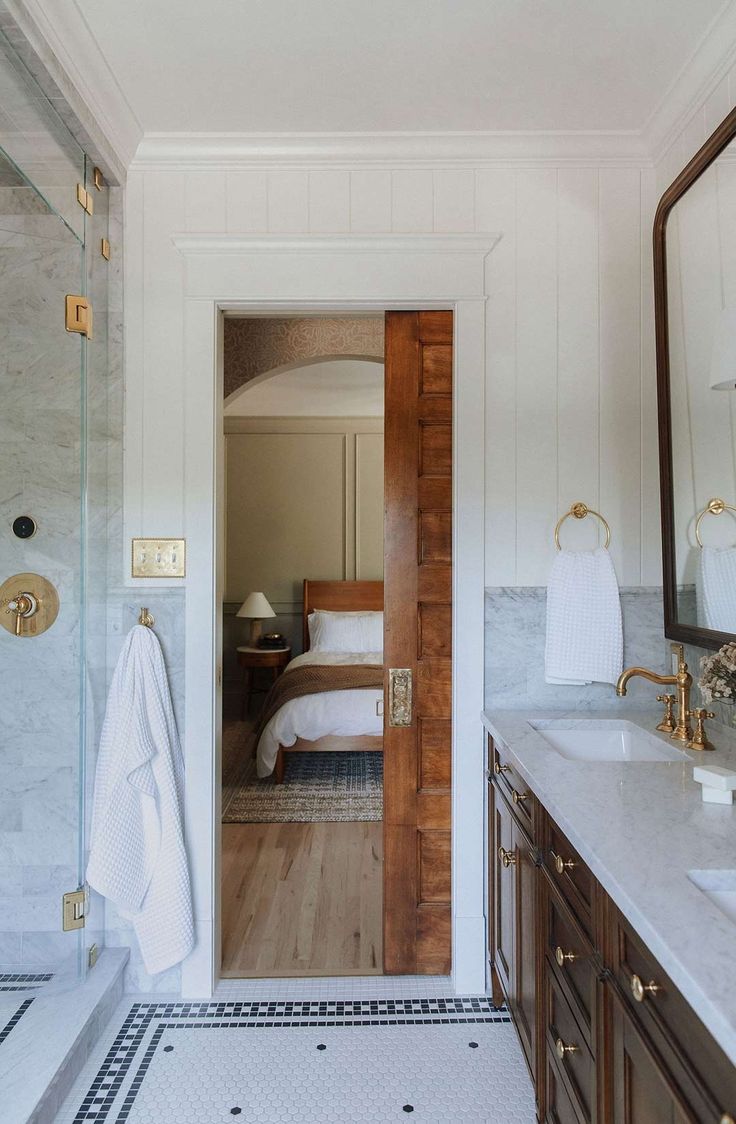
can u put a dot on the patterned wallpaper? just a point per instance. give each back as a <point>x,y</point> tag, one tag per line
<point>255,346</point>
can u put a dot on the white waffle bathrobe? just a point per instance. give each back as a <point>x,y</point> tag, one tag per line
<point>137,857</point>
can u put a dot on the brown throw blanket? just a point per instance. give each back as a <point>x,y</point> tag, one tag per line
<point>312,680</point>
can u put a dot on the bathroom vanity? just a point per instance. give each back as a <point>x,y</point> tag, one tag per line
<point>610,889</point>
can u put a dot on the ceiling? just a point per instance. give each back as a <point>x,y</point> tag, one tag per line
<point>296,66</point>
<point>345,388</point>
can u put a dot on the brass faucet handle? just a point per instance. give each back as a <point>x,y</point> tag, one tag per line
<point>667,725</point>
<point>699,739</point>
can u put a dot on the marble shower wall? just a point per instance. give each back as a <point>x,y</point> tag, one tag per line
<point>40,475</point>
<point>515,618</point>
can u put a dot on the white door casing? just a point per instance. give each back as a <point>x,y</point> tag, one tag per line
<point>261,275</point>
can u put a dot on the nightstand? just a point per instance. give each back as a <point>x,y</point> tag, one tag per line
<point>252,659</point>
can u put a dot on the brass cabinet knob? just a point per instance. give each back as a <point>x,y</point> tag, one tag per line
<point>640,990</point>
<point>519,797</point>
<point>498,768</point>
<point>508,858</point>
<point>561,956</point>
<point>562,1049</point>
<point>561,865</point>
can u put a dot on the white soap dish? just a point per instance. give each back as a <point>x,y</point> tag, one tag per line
<point>718,784</point>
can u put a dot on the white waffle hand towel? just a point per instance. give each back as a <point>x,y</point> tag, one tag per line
<point>584,631</point>
<point>137,857</point>
<point>715,588</point>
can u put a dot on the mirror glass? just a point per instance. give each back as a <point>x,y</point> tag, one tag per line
<point>701,298</point>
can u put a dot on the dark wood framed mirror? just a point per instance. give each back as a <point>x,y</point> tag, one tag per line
<point>695,320</point>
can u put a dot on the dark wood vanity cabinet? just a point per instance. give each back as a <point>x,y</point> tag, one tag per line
<point>607,1037</point>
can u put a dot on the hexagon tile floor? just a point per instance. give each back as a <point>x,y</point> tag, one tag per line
<point>305,1060</point>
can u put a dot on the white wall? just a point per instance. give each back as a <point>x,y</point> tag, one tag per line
<point>570,372</point>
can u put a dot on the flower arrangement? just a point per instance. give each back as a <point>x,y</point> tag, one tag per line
<point>718,675</point>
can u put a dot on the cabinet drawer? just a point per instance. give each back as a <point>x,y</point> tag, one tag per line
<point>509,782</point>
<point>570,875</point>
<point>570,958</point>
<point>696,1063</point>
<point>560,1106</point>
<point>567,1046</point>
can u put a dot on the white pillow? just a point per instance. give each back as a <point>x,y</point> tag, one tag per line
<point>345,632</point>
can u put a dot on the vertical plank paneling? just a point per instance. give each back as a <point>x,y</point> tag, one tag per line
<point>578,373</point>
<point>163,273</point>
<point>370,202</point>
<point>329,201</point>
<point>620,281</point>
<point>454,201</point>
<point>205,203</point>
<point>288,202</point>
<point>411,202</point>
<point>536,373</point>
<point>247,205</point>
<point>496,211</point>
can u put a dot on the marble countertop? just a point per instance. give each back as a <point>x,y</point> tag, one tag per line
<point>640,827</point>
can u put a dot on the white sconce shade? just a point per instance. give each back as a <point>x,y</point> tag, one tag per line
<point>257,608</point>
<point>723,358</point>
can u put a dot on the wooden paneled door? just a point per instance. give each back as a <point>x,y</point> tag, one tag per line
<point>418,638</point>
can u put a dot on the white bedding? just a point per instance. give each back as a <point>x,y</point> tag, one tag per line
<point>342,713</point>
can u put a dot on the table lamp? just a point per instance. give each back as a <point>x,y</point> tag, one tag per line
<point>257,608</point>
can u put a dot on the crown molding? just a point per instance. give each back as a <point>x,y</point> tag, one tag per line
<point>712,58</point>
<point>228,244</point>
<point>233,151</point>
<point>72,56</point>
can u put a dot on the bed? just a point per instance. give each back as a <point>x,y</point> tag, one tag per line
<point>323,720</point>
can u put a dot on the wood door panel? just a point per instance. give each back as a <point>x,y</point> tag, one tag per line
<point>433,941</point>
<point>435,450</point>
<point>435,749</point>
<point>418,606</point>
<point>435,630</point>
<point>436,369</point>
<point>435,536</point>
<point>434,866</point>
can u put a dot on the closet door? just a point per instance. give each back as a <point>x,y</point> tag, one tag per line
<point>418,642</point>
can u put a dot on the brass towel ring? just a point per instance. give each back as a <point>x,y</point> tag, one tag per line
<point>713,507</point>
<point>579,511</point>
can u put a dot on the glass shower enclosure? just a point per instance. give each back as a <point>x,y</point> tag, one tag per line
<point>52,536</point>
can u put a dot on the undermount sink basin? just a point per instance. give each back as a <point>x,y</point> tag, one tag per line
<point>719,886</point>
<point>601,740</point>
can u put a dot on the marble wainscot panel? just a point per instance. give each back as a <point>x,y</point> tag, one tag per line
<point>515,629</point>
<point>641,827</point>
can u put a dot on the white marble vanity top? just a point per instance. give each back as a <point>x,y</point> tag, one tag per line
<point>641,827</point>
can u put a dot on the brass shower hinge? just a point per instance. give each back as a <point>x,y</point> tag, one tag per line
<point>98,179</point>
<point>85,199</point>
<point>78,315</point>
<point>105,249</point>
<point>73,907</point>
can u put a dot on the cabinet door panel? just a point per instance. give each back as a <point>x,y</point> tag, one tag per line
<point>525,946</point>
<point>504,897</point>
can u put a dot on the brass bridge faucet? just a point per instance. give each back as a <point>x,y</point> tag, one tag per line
<point>683,681</point>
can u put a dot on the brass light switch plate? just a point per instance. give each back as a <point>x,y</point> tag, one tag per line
<point>159,558</point>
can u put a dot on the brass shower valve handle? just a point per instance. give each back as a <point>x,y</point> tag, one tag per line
<point>699,739</point>
<point>24,605</point>
<point>667,725</point>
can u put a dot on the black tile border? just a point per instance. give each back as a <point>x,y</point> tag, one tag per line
<point>23,981</point>
<point>14,1019</point>
<point>262,1014</point>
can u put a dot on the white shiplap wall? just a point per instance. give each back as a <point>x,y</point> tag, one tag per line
<point>571,409</point>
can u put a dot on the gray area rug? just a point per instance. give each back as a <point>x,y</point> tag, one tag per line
<point>319,788</point>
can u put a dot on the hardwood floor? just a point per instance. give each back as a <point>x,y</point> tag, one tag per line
<point>302,899</point>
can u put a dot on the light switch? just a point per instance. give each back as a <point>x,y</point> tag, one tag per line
<point>159,558</point>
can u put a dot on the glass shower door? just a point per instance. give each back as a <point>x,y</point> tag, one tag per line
<point>42,540</point>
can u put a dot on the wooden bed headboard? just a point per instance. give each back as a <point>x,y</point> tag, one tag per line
<point>339,597</point>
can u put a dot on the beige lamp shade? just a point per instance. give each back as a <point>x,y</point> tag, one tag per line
<point>723,358</point>
<point>257,608</point>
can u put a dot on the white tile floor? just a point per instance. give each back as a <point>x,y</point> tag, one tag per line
<point>308,1054</point>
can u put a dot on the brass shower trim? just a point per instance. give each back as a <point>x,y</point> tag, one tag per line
<point>29,604</point>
